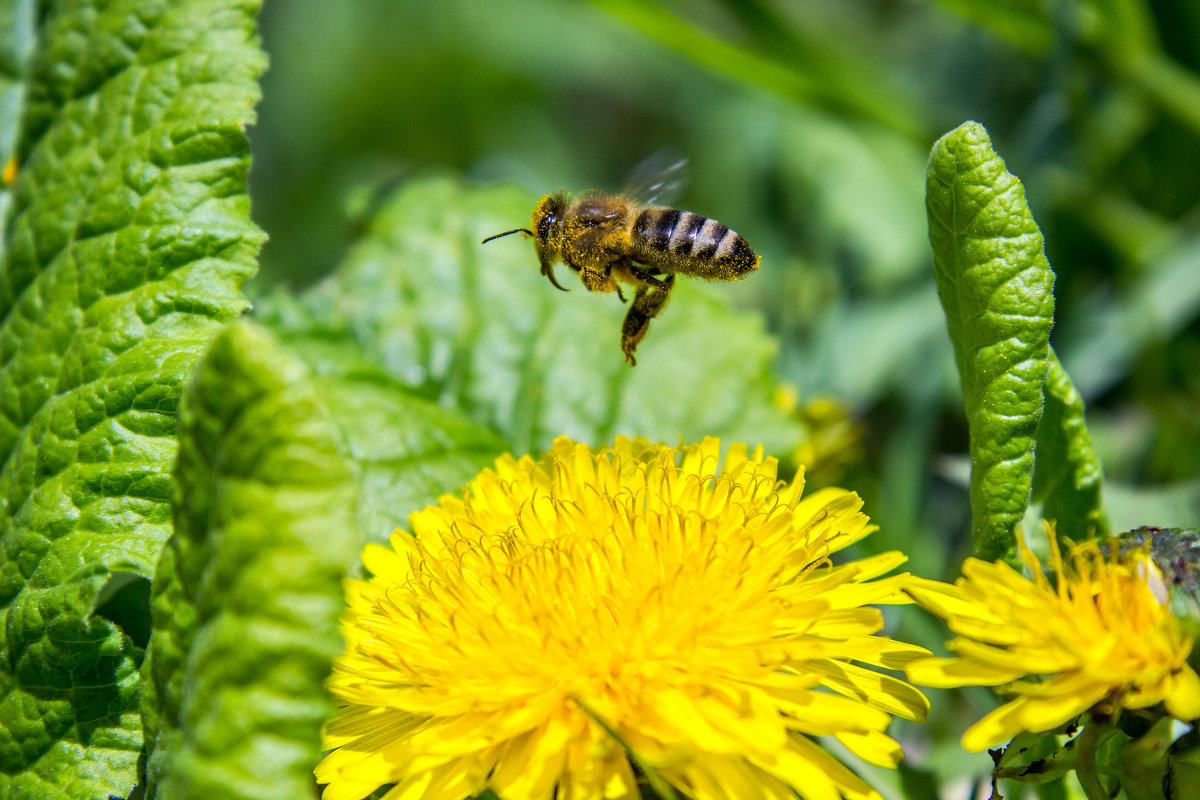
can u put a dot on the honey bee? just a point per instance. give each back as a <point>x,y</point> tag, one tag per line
<point>607,238</point>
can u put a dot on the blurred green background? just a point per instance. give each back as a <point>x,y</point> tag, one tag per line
<point>807,126</point>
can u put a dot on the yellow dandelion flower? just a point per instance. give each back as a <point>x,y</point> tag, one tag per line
<point>570,622</point>
<point>1102,636</point>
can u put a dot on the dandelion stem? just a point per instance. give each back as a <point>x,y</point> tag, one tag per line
<point>1086,768</point>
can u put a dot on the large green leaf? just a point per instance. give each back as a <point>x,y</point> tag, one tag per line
<point>248,591</point>
<point>407,449</point>
<point>124,249</point>
<point>477,328</point>
<point>996,288</point>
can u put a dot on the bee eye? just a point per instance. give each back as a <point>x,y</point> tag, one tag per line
<point>545,224</point>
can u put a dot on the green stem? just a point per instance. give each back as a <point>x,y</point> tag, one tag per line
<point>1086,768</point>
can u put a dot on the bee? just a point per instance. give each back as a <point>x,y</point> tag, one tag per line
<point>608,239</point>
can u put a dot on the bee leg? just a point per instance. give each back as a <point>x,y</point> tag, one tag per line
<point>645,277</point>
<point>647,303</point>
<point>596,281</point>
<point>608,274</point>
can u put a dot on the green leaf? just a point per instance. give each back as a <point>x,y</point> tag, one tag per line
<point>407,449</point>
<point>1183,775</point>
<point>248,590</point>
<point>476,328</point>
<point>1036,758</point>
<point>1099,753</point>
<point>997,291</point>
<point>125,247</point>
<point>1144,762</point>
<point>1068,476</point>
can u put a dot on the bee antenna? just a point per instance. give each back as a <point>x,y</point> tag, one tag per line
<point>525,231</point>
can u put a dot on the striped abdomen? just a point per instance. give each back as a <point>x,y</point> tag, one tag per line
<point>680,241</point>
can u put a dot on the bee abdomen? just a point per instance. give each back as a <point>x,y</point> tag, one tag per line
<point>694,244</point>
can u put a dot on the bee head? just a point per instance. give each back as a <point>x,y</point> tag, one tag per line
<point>547,232</point>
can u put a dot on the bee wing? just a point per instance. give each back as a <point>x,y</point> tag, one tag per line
<point>657,179</point>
